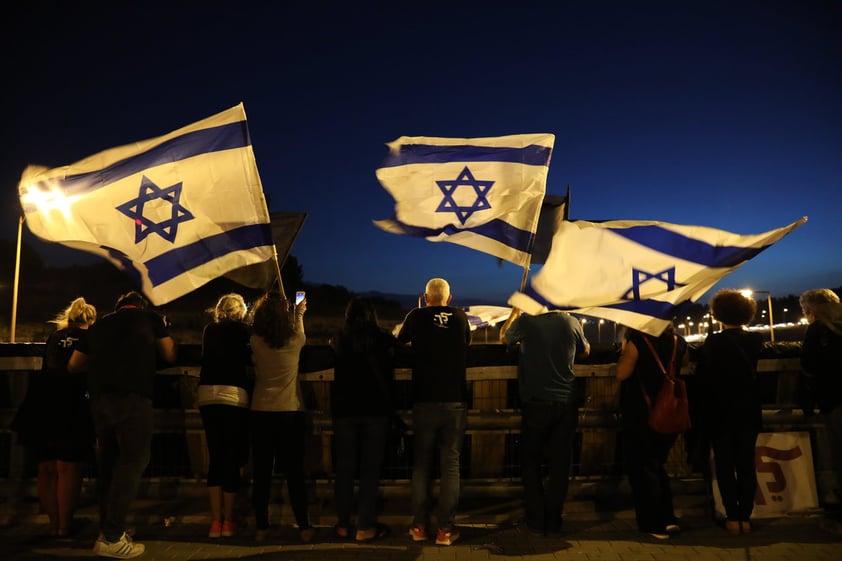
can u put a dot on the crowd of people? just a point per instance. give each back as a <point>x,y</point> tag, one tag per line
<point>100,373</point>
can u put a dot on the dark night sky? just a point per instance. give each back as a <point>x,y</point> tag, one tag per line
<point>721,114</point>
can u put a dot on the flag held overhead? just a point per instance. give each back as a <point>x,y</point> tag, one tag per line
<point>482,193</point>
<point>173,212</point>
<point>637,273</point>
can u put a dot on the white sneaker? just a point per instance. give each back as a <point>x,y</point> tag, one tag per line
<point>124,548</point>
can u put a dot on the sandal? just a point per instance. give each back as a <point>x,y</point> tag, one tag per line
<point>732,526</point>
<point>342,532</point>
<point>376,532</point>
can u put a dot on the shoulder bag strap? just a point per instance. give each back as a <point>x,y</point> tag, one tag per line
<point>669,375</point>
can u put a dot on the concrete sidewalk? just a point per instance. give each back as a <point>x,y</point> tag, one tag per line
<point>177,529</point>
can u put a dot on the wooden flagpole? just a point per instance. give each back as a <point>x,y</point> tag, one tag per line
<point>17,282</point>
<point>278,271</point>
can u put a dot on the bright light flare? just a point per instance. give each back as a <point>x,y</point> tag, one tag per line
<point>48,200</point>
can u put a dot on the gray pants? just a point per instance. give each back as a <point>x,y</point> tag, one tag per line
<point>123,425</point>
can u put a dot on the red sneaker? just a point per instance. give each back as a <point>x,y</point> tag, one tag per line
<point>229,529</point>
<point>418,533</point>
<point>215,529</point>
<point>446,536</point>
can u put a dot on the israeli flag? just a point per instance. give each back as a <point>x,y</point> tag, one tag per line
<point>173,212</point>
<point>637,273</point>
<point>482,193</point>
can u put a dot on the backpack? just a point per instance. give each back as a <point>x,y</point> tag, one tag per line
<point>670,413</point>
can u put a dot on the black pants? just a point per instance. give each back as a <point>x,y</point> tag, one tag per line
<point>226,432</point>
<point>359,445</point>
<point>278,437</point>
<point>547,430</point>
<point>644,454</point>
<point>733,456</point>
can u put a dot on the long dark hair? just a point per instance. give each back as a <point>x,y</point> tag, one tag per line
<point>360,324</point>
<point>272,319</point>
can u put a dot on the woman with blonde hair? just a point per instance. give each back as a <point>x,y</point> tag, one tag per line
<point>223,401</point>
<point>821,367</point>
<point>55,423</point>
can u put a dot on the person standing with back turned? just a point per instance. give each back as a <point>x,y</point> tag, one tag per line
<point>439,335</point>
<point>223,402</point>
<point>549,343</point>
<point>121,352</point>
<point>640,368</point>
<point>56,417</point>
<point>821,368</point>
<point>731,404</point>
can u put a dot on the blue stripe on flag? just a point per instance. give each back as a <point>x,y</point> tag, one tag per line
<point>686,248</point>
<point>126,265</point>
<point>650,307</point>
<point>533,155</point>
<point>477,321</point>
<point>495,229</point>
<point>173,263</point>
<point>196,143</point>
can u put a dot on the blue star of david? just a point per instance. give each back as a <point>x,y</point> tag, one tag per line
<point>167,229</point>
<point>448,188</point>
<point>667,276</point>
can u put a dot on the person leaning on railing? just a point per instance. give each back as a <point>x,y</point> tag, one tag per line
<point>821,365</point>
<point>223,401</point>
<point>54,422</point>
<point>121,353</point>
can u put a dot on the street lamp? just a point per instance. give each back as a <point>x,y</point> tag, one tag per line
<point>599,331</point>
<point>748,294</point>
<point>785,311</point>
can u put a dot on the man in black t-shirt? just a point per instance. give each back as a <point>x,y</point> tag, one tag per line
<point>121,353</point>
<point>438,335</point>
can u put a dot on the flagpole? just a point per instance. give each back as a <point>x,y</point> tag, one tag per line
<point>17,278</point>
<point>567,204</point>
<point>278,270</point>
<point>525,272</point>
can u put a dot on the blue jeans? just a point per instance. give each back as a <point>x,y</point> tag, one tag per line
<point>546,430</point>
<point>360,444</point>
<point>437,426</point>
<point>123,425</point>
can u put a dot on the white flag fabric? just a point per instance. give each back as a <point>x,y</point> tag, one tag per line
<point>637,273</point>
<point>482,193</point>
<point>174,212</point>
